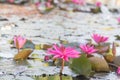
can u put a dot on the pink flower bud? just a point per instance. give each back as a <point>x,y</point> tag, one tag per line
<point>37,4</point>
<point>19,41</point>
<point>118,70</point>
<point>118,19</point>
<point>46,58</point>
<point>98,4</point>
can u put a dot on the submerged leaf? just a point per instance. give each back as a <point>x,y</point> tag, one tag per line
<point>81,65</point>
<point>23,54</point>
<point>99,64</point>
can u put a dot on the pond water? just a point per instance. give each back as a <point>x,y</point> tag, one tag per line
<point>73,27</point>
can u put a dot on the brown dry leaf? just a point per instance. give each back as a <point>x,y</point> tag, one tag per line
<point>99,64</point>
<point>23,54</point>
<point>45,46</point>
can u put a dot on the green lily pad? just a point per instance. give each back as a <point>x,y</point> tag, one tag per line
<point>81,65</point>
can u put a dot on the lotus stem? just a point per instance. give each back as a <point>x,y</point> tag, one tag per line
<point>62,66</point>
<point>63,61</point>
<point>18,50</point>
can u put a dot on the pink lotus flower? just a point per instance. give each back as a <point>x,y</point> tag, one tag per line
<point>98,4</point>
<point>118,19</point>
<point>11,1</point>
<point>19,41</point>
<point>118,70</point>
<point>48,5</point>
<point>63,52</point>
<point>37,4</point>
<point>79,2</point>
<point>88,49</point>
<point>99,39</point>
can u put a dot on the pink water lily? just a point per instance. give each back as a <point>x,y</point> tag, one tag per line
<point>63,52</point>
<point>11,1</point>
<point>48,5</point>
<point>88,49</point>
<point>118,19</point>
<point>37,4</point>
<point>98,4</point>
<point>99,38</point>
<point>118,70</point>
<point>19,41</point>
<point>79,2</point>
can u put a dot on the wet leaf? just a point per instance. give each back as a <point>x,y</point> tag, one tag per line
<point>35,55</point>
<point>29,44</point>
<point>81,65</point>
<point>45,46</point>
<point>99,64</point>
<point>45,64</point>
<point>40,78</point>
<point>37,59</point>
<point>95,10</point>
<point>3,19</point>
<point>23,54</point>
<point>38,47</point>
<point>55,77</point>
<point>108,28</point>
<point>117,60</point>
<point>117,37</point>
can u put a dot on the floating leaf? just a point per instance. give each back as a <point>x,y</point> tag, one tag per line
<point>23,54</point>
<point>117,60</point>
<point>99,64</point>
<point>57,77</point>
<point>108,28</point>
<point>117,37</point>
<point>45,46</point>
<point>29,44</point>
<point>95,10</point>
<point>38,47</point>
<point>34,55</point>
<point>81,65</point>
